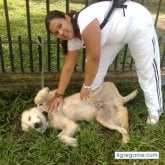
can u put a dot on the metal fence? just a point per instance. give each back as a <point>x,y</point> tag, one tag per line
<point>23,57</point>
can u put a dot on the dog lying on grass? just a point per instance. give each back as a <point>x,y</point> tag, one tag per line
<point>105,105</point>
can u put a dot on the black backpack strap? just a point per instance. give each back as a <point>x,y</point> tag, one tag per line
<point>115,4</point>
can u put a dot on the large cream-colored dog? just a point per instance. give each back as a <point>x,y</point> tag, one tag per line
<point>105,105</point>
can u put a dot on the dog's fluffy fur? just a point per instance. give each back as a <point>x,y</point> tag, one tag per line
<point>105,105</point>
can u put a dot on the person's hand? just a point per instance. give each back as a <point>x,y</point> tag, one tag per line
<point>55,103</point>
<point>84,93</point>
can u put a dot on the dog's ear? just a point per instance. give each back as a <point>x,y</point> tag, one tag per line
<point>24,127</point>
<point>24,115</point>
<point>45,114</point>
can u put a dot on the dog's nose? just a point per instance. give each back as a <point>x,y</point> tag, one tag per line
<point>36,125</point>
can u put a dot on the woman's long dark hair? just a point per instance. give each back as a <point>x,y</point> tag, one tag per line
<point>59,14</point>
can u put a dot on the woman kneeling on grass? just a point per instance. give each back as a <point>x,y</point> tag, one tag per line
<point>130,23</point>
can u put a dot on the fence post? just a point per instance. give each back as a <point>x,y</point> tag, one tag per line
<point>48,40</point>
<point>21,53</point>
<point>29,34</point>
<point>1,57</point>
<point>157,13</point>
<point>9,36</point>
<point>41,43</point>
<point>67,6</point>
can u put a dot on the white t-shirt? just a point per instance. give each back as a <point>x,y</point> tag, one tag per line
<point>121,22</point>
<point>86,16</point>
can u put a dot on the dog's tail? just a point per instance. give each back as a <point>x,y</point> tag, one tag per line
<point>129,97</point>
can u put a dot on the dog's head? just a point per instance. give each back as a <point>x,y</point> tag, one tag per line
<point>34,118</point>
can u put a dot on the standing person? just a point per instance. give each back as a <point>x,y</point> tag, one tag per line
<point>130,24</point>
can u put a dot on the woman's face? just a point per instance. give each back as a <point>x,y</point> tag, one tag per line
<point>62,28</point>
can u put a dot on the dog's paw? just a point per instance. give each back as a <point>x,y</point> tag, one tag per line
<point>73,142</point>
<point>125,139</point>
<point>41,96</point>
<point>69,141</point>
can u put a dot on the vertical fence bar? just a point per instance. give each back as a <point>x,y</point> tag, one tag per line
<point>157,13</point>
<point>41,60</point>
<point>20,53</point>
<point>84,51</point>
<point>83,60</point>
<point>131,64</point>
<point>9,36</point>
<point>48,39</point>
<point>67,6</point>
<point>124,57</point>
<point>1,57</point>
<point>58,54</point>
<point>29,35</point>
<point>86,2</point>
<point>40,53</point>
<point>163,58</point>
<point>115,62</point>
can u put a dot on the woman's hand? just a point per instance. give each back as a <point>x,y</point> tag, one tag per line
<point>55,103</point>
<point>84,93</point>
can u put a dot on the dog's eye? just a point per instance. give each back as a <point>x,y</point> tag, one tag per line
<point>29,118</point>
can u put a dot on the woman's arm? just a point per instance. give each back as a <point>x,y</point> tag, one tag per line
<point>67,71</point>
<point>92,39</point>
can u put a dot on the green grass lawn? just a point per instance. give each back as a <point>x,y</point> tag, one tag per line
<point>97,145</point>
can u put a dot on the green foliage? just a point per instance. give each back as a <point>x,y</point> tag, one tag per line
<point>97,145</point>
